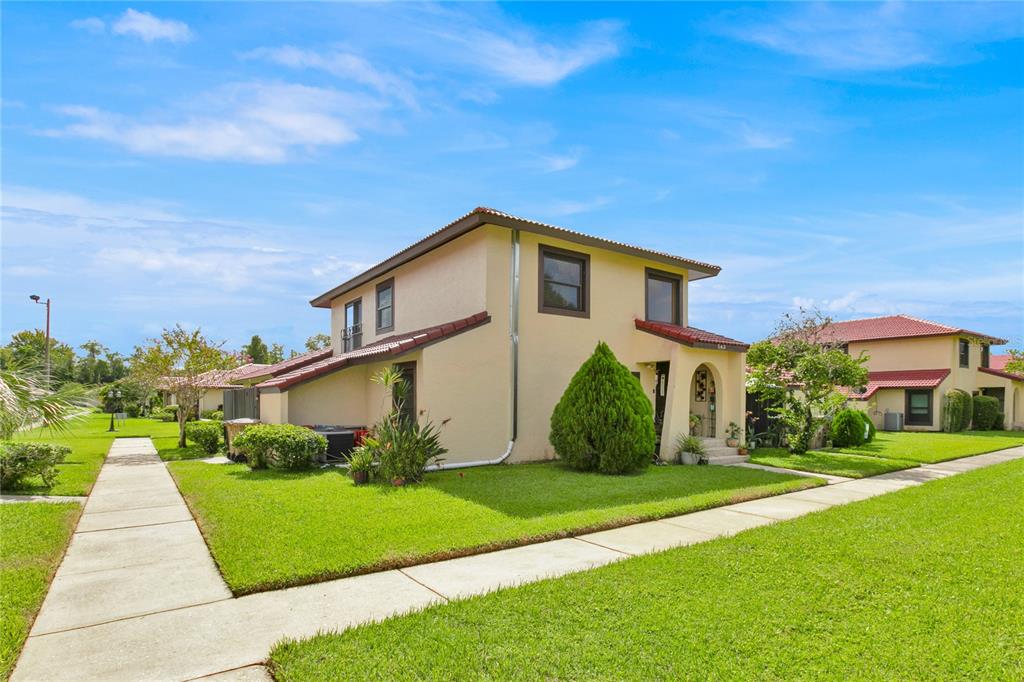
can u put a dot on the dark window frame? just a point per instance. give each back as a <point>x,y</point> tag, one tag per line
<point>388,283</point>
<point>986,355</point>
<point>964,353</point>
<point>909,418</point>
<point>677,304</point>
<point>358,336</point>
<point>542,252</point>
<point>407,368</point>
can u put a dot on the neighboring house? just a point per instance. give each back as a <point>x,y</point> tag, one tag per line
<point>489,318</point>
<point>913,363</point>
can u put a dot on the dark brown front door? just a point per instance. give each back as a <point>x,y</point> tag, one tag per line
<point>660,393</point>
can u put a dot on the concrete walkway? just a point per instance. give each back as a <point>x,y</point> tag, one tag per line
<point>138,596</point>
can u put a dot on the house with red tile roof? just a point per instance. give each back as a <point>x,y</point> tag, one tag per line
<point>489,317</point>
<point>913,363</point>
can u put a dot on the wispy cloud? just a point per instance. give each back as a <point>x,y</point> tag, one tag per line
<point>569,207</point>
<point>875,37</point>
<point>560,162</point>
<point>142,25</point>
<point>249,122</point>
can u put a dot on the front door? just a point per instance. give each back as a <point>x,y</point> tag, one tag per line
<point>660,393</point>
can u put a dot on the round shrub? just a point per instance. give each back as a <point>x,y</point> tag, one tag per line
<point>24,459</point>
<point>280,446</point>
<point>603,422</point>
<point>204,434</point>
<point>847,429</point>
<point>216,415</point>
<point>986,412</point>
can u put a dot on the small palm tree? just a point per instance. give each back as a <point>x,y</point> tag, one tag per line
<point>26,401</point>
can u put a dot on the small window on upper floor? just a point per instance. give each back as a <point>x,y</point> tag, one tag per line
<point>386,306</point>
<point>985,355</point>
<point>663,303</point>
<point>965,353</point>
<point>564,286</point>
<point>352,333</point>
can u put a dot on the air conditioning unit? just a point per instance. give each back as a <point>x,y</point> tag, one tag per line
<point>893,421</point>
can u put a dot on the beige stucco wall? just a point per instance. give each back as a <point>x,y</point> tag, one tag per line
<point>340,398</point>
<point>212,399</point>
<point>932,352</point>
<point>1013,411</point>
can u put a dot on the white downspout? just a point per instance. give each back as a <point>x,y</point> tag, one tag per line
<point>513,332</point>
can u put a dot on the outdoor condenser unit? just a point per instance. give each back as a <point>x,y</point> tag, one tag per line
<point>893,421</point>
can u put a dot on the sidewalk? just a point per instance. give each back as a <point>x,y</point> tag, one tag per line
<point>138,596</point>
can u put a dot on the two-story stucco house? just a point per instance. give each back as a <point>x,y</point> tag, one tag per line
<point>914,363</point>
<point>490,316</point>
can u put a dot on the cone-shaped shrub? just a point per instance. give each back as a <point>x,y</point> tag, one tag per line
<point>847,429</point>
<point>604,422</point>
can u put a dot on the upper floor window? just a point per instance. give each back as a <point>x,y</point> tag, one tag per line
<point>352,334</point>
<point>663,300</point>
<point>386,306</point>
<point>965,353</point>
<point>985,355</point>
<point>564,282</point>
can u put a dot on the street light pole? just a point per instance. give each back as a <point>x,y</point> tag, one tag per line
<point>115,394</point>
<point>35,299</point>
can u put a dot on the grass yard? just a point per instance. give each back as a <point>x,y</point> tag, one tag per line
<point>32,542</point>
<point>919,584</point>
<point>271,529</point>
<point>834,463</point>
<point>89,441</point>
<point>935,447</point>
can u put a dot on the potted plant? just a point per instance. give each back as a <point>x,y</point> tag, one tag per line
<point>695,420</point>
<point>734,435</point>
<point>360,464</point>
<point>690,450</point>
<point>743,450</point>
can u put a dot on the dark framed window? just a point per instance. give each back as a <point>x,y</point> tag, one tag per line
<point>985,355</point>
<point>663,302</point>
<point>564,282</point>
<point>919,408</point>
<point>386,306</point>
<point>965,353</point>
<point>405,402</point>
<point>352,333</point>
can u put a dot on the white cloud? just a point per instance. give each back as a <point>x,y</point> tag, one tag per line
<point>250,122</point>
<point>572,207</point>
<point>90,25</point>
<point>559,162</point>
<point>150,28</point>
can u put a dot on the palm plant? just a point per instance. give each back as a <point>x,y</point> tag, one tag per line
<point>26,401</point>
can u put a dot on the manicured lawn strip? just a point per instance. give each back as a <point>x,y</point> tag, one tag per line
<point>271,529</point>
<point>935,447</point>
<point>919,584</point>
<point>89,441</point>
<point>836,464</point>
<point>32,542</point>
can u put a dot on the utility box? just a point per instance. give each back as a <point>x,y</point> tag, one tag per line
<point>232,428</point>
<point>893,421</point>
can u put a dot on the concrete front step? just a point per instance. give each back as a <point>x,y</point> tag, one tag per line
<point>728,459</point>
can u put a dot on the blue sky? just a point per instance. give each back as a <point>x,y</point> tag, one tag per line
<point>219,165</point>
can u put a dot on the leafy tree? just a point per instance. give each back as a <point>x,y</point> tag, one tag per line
<point>92,369</point>
<point>318,342</point>
<point>174,362</point>
<point>257,350</point>
<point>1016,362</point>
<point>797,373</point>
<point>276,353</point>
<point>27,348</point>
<point>604,422</point>
<point>25,400</point>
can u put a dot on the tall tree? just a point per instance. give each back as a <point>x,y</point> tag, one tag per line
<point>276,353</point>
<point>175,362</point>
<point>797,373</point>
<point>27,348</point>
<point>318,342</point>
<point>257,350</point>
<point>90,369</point>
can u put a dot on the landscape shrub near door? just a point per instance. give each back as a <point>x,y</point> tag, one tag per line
<point>957,410</point>
<point>603,422</point>
<point>20,460</point>
<point>847,429</point>
<point>986,412</point>
<point>204,434</point>
<point>280,446</point>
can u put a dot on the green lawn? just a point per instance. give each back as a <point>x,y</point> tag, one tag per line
<point>936,447</point>
<point>836,464</point>
<point>89,441</point>
<point>920,584</point>
<point>32,543</point>
<point>270,529</point>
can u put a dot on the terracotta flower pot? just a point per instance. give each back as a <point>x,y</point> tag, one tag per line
<point>360,477</point>
<point>398,482</point>
<point>743,452</point>
<point>732,442</point>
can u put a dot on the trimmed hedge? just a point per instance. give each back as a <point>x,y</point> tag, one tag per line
<point>603,422</point>
<point>986,412</point>
<point>957,410</point>
<point>24,459</point>
<point>847,429</point>
<point>204,434</point>
<point>280,446</point>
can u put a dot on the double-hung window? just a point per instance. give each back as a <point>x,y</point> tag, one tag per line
<point>386,306</point>
<point>564,285</point>
<point>965,353</point>
<point>663,303</point>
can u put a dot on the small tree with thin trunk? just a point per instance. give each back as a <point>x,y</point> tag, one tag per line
<point>318,342</point>
<point>797,372</point>
<point>175,362</point>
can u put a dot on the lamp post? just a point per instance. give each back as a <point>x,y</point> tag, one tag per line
<point>35,299</point>
<point>115,394</point>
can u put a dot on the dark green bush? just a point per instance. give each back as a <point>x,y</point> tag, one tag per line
<point>603,422</point>
<point>216,415</point>
<point>869,426</point>
<point>204,434</point>
<point>986,411</point>
<point>957,410</point>
<point>280,446</point>
<point>23,459</point>
<point>163,414</point>
<point>847,429</point>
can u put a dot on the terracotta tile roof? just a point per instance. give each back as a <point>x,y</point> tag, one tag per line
<point>901,378</point>
<point>1001,373</point>
<point>999,361</point>
<point>691,336</point>
<point>291,364</point>
<point>391,346</point>
<point>222,378</point>
<point>895,327</point>
<point>489,216</point>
